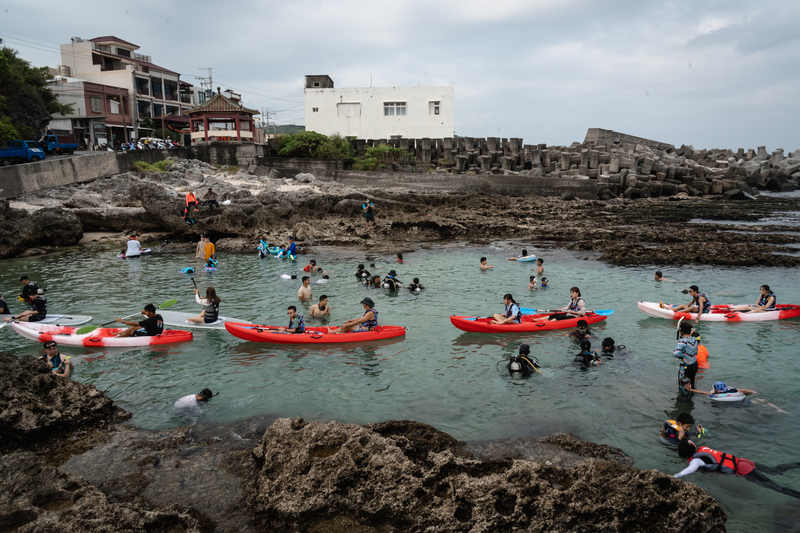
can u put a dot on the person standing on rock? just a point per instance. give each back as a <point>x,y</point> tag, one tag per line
<point>191,400</point>
<point>304,292</point>
<point>210,199</point>
<point>369,217</point>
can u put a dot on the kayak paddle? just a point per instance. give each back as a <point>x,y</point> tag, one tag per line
<point>529,311</point>
<point>88,329</point>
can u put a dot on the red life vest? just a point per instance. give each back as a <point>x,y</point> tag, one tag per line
<point>727,464</point>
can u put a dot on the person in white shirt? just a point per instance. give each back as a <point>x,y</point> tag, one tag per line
<point>190,401</point>
<point>134,247</point>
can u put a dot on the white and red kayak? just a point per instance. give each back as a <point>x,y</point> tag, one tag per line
<point>99,337</point>
<point>722,313</point>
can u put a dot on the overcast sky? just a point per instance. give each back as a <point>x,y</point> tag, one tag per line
<point>706,73</point>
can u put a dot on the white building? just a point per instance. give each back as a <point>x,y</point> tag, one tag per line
<point>378,112</point>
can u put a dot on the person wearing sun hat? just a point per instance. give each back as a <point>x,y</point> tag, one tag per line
<point>368,322</point>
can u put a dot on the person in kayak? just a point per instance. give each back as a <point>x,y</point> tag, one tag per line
<point>415,285</point>
<point>368,322</point>
<point>362,273</point>
<point>58,363</point>
<point>699,304</point>
<point>191,400</point>
<point>575,308</point>
<point>539,267</point>
<point>483,264</point>
<point>587,357</point>
<point>210,303</point>
<point>512,314</point>
<point>766,302</point>
<point>524,254</point>
<point>151,326</point>
<point>37,312</point>
<point>320,309</point>
<point>304,292</point>
<point>674,431</point>
<point>369,216</point>
<point>134,247</point>
<point>686,353</point>
<point>300,327</point>
<point>4,310</point>
<point>710,460</point>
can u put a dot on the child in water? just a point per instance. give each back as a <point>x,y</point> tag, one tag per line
<point>532,285</point>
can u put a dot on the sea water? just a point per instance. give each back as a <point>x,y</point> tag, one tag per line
<point>439,375</point>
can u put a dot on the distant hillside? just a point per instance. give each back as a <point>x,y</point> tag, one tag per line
<point>288,129</point>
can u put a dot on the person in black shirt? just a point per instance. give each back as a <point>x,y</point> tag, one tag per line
<point>28,288</point>
<point>152,325</point>
<point>38,310</point>
<point>4,310</point>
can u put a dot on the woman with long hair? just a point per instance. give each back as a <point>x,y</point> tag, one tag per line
<point>210,303</point>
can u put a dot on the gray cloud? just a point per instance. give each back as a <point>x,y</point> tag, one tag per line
<point>542,70</point>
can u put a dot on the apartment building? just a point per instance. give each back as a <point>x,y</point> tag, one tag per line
<point>378,112</point>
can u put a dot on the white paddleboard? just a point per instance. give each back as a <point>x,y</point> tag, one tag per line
<point>176,318</point>
<point>61,320</point>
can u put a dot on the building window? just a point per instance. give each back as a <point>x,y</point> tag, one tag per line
<point>315,110</point>
<point>157,88</point>
<point>394,108</point>
<point>114,107</point>
<point>433,108</point>
<point>316,84</point>
<point>171,110</point>
<point>348,110</point>
<point>97,104</point>
<point>123,52</point>
<point>157,110</point>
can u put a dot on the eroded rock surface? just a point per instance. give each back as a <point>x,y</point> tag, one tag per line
<point>337,477</point>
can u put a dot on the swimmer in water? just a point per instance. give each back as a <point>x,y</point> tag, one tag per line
<point>400,258</point>
<point>608,348</point>
<point>320,309</point>
<point>524,254</point>
<point>587,357</point>
<point>532,285</point>
<point>415,285</point>
<point>674,431</point>
<point>659,277</point>
<point>484,266</point>
<point>362,273</point>
<point>539,268</point>
<point>582,331</point>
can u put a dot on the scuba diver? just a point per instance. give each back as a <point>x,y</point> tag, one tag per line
<point>609,349</point>
<point>587,357</point>
<point>391,282</point>
<point>374,281</point>
<point>362,273</point>
<point>523,363</point>
<point>583,331</point>
<point>416,286</point>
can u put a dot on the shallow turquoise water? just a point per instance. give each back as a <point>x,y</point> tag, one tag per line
<point>440,375</point>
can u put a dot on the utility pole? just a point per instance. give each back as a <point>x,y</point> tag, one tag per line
<point>206,81</point>
<point>122,106</point>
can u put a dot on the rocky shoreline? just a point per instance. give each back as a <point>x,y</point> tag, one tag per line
<point>67,463</point>
<point>625,231</point>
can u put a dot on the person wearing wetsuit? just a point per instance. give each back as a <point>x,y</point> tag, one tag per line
<point>583,331</point>
<point>416,286</point>
<point>686,353</point>
<point>609,348</point>
<point>375,281</point>
<point>587,357</point>
<point>391,282</point>
<point>4,310</point>
<point>368,322</point>
<point>151,326</point>
<point>710,460</point>
<point>210,303</point>
<point>362,273</point>
<point>523,363</point>
<point>512,314</point>
<point>322,308</point>
<point>299,327</point>
<point>263,247</point>
<point>58,363</point>
<point>37,312</point>
<point>575,308</point>
<point>369,217</point>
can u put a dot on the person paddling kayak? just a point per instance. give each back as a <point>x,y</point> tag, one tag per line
<point>367,322</point>
<point>210,303</point>
<point>151,326</point>
<point>575,308</point>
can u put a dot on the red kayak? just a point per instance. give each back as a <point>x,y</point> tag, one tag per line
<point>270,334</point>
<point>530,323</point>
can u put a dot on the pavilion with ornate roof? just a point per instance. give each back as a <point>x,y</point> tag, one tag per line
<point>221,119</point>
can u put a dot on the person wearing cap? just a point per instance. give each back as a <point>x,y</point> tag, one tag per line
<point>304,292</point>
<point>391,282</point>
<point>58,363</point>
<point>523,363</point>
<point>4,310</point>
<point>37,312</point>
<point>191,400</point>
<point>210,199</point>
<point>721,388</point>
<point>320,309</point>
<point>368,322</point>
<point>362,273</point>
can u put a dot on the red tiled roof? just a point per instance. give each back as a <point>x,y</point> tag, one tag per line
<point>136,61</point>
<point>220,104</point>
<point>114,39</point>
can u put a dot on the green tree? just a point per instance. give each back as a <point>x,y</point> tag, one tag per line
<point>314,145</point>
<point>26,99</point>
<point>7,131</point>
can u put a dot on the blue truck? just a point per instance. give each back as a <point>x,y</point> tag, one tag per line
<point>53,145</point>
<point>20,152</point>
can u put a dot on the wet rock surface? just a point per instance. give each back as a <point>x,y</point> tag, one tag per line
<point>318,212</point>
<point>337,477</point>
